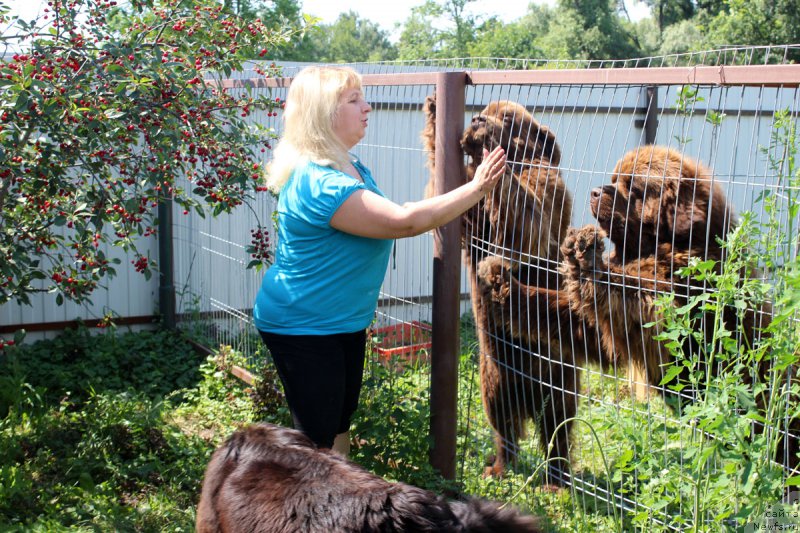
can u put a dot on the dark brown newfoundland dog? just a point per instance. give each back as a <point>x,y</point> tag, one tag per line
<point>269,479</point>
<point>661,210</point>
<point>527,371</point>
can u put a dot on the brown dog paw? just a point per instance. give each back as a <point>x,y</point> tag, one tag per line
<point>494,279</point>
<point>493,468</point>
<point>583,248</point>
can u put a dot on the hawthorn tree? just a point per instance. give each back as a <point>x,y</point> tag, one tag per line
<point>101,112</point>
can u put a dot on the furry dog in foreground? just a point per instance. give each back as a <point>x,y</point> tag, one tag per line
<point>528,370</point>
<point>270,479</point>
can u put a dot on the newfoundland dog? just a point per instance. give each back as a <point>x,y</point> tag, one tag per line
<point>269,479</point>
<point>661,210</point>
<point>527,370</point>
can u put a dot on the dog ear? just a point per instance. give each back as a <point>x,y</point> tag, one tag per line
<point>687,214</point>
<point>430,106</point>
<point>547,146</point>
<point>428,134</point>
<point>428,137</point>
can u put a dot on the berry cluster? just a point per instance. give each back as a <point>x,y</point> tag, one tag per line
<point>259,248</point>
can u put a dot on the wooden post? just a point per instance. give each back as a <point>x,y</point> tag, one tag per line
<point>445,346</point>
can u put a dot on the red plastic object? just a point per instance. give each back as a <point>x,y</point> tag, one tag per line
<point>409,342</point>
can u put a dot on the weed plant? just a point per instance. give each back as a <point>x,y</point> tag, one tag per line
<point>712,466</point>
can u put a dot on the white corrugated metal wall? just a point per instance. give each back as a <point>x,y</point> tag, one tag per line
<point>210,257</point>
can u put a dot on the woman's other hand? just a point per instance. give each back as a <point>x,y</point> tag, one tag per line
<point>491,169</point>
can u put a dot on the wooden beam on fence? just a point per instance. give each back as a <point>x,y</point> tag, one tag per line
<point>400,78</point>
<point>236,371</point>
<point>445,347</point>
<point>721,75</point>
<point>750,75</point>
<point>30,327</point>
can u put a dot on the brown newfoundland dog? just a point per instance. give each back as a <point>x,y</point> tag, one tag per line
<point>269,479</point>
<point>527,371</point>
<point>661,210</point>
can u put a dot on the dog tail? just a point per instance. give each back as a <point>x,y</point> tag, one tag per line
<point>481,516</point>
<point>428,138</point>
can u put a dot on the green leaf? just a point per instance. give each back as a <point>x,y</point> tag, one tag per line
<point>624,459</point>
<point>22,101</point>
<point>19,336</point>
<point>672,372</point>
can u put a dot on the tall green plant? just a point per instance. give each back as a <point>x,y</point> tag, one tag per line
<point>743,394</point>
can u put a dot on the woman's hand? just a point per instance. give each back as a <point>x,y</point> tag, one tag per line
<point>367,214</point>
<point>491,169</point>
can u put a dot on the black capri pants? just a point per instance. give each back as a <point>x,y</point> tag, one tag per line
<point>321,377</point>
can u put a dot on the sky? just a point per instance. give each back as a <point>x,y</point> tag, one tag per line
<point>386,13</point>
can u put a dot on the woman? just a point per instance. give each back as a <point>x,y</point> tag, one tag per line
<point>335,231</point>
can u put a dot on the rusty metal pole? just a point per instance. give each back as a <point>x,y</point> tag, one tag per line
<point>651,115</point>
<point>445,345</point>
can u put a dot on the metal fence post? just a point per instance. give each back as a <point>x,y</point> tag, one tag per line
<point>445,345</point>
<point>166,264</point>
<point>651,115</point>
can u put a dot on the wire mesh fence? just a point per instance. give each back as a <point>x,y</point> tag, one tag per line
<point>609,320</point>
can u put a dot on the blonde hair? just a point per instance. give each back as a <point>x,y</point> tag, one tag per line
<point>308,117</point>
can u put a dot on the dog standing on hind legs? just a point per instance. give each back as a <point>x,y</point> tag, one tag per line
<point>527,371</point>
<point>661,211</point>
<point>270,479</point>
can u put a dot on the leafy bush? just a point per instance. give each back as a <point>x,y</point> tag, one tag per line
<point>110,433</point>
<point>392,424</point>
<point>79,364</point>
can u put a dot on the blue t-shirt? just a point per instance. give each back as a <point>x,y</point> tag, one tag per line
<point>323,281</point>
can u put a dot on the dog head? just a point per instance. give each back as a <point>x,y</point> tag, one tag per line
<point>511,126</point>
<point>657,195</point>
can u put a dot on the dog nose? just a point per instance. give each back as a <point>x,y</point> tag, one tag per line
<point>596,193</point>
<point>478,120</point>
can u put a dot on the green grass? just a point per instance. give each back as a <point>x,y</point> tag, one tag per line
<point>113,433</point>
<point>110,433</point>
